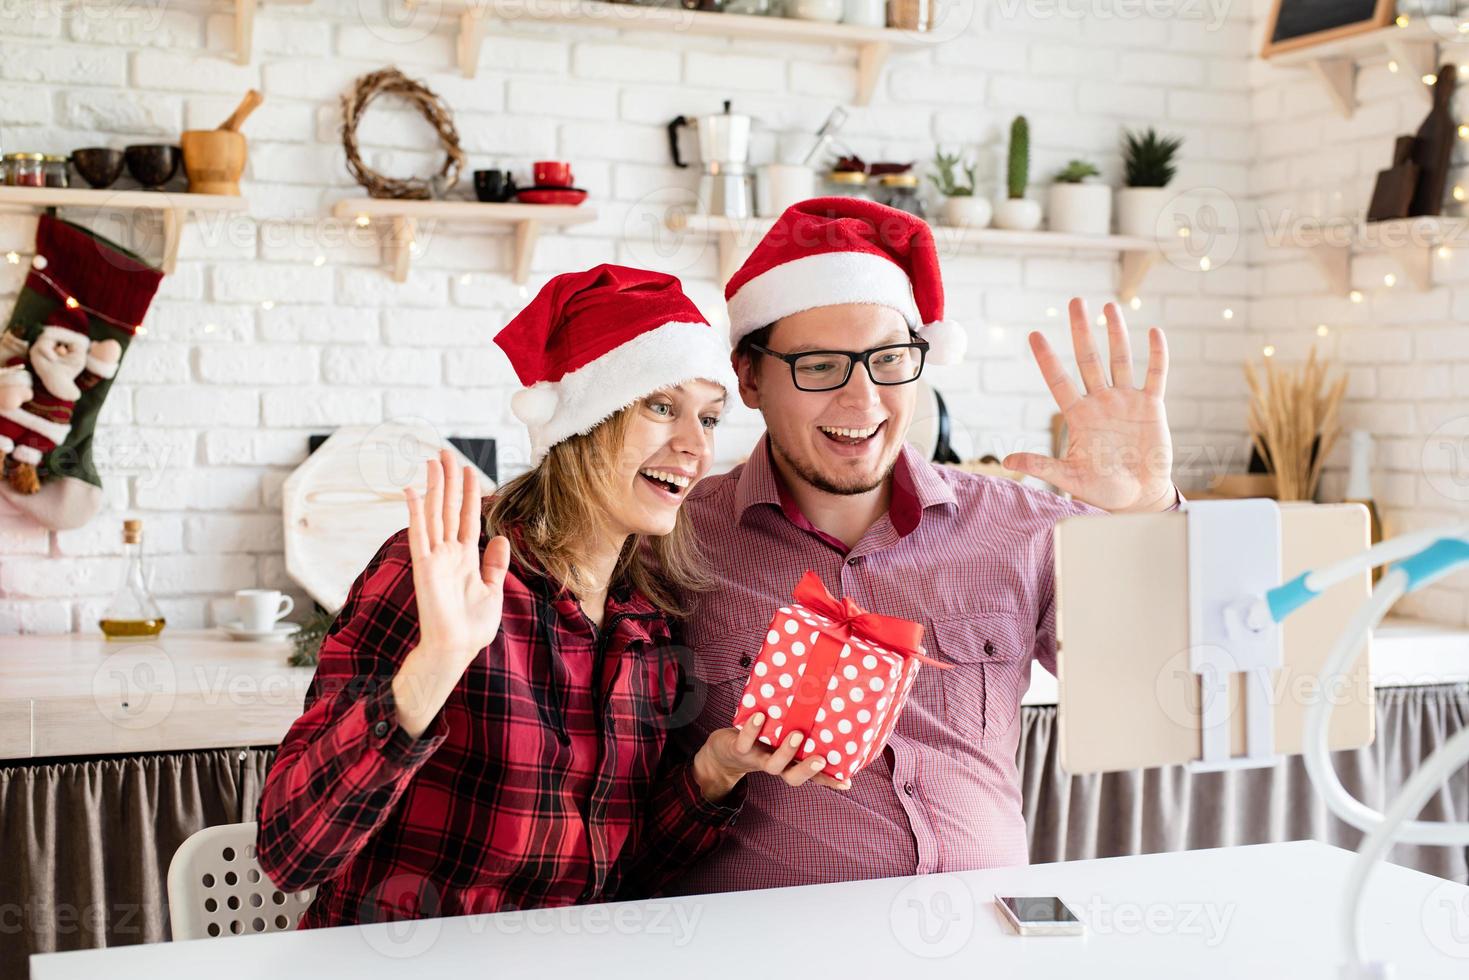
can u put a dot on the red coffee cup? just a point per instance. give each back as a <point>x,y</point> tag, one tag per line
<point>552,173</point>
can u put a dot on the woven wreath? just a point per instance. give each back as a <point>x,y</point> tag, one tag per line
<point>393,82</point>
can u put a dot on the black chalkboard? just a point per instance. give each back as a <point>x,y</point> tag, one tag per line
<point>1300,17</point>
<point>1296,20</point>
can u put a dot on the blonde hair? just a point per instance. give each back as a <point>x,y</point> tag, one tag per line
<point>550,512</point>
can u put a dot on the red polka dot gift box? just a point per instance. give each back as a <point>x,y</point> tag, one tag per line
<point>838,673</point>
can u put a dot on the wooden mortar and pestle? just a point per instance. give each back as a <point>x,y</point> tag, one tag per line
<point>214,159</point>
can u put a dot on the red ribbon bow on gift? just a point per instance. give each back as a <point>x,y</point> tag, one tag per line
<point>898,635</point>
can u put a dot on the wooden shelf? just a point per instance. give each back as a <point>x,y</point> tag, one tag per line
<point>174,208</point>
<point>873,44</point>
<point>402,217</point>
<point>736,236</point>
<point>1414,48</point>
<point>1410,243</point>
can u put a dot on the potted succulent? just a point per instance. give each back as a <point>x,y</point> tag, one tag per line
<point>1079,208</point>
<point>962,207</point>
<point>1148,160</point>
<point>1016,213</point>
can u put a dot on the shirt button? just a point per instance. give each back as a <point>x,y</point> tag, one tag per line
<point>908,788</point>
<point>989,647</point>
<point>745,661</point>
<point>854,559</point>
<point>380,729</point>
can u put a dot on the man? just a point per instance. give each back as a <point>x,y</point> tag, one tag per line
<point>832,317</point>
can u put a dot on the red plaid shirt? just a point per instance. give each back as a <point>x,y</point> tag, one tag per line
<point>542,781</point>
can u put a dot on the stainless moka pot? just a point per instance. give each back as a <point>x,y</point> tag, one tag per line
<point>726,186</point>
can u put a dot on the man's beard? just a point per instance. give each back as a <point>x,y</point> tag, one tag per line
<point>811,476</point>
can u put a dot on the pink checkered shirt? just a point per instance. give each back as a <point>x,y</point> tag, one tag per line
<point>967,556</point>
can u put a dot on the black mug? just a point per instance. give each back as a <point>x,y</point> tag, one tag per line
<point>494,186</point>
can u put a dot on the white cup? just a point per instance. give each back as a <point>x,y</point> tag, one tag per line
<point>779,185</point>
<point>259,609</point>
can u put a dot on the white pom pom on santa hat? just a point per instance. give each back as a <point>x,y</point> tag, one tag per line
<point>535,406</point>
<point>947,341</point>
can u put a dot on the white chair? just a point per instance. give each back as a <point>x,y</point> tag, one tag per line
<point>216,887</point>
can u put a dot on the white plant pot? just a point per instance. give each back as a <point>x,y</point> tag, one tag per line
<point>1139,210</point>
<point>1018,214</point>
<point>1081,209</point>
<point>966,212</point>
<point>828,11</point>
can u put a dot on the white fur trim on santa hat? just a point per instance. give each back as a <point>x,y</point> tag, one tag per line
<point>669,355</point>
<point>27,454</point>
<point>827,279</point>
<point>55,431</point>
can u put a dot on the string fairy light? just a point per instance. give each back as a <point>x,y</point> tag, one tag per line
<point>38,265</point>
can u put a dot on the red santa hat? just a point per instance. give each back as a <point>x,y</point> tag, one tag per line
<point>591,343</point>
<point>833,250</point>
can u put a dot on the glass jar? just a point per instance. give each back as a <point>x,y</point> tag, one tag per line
<point>55,172</point>
<point>750,8</point>
<point>911,15</point>
<point>847,183</point>
<point>25,170</point>
<point>900,191</point>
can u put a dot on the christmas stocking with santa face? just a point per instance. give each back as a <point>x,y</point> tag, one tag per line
<point>74,319</point>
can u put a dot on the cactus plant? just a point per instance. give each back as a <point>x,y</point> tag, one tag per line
<point>946,180</point>
<point>1018,174</point>
<point>1148,157</point>
<point>1076,171</point>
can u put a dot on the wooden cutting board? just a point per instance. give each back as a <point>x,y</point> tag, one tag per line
<point>346,499</point>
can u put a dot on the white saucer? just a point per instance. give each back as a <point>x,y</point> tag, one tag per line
<point>278,632</point>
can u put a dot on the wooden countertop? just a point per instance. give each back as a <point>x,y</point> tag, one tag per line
<point>81,694</point>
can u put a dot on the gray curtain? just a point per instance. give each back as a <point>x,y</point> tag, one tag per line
<point>85,845</point>
<point>1072,818</point>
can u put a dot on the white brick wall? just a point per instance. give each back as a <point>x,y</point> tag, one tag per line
<point>1407,352</point>
<point>252,345</point>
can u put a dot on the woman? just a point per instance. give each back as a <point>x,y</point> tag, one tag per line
<point>486,727</point>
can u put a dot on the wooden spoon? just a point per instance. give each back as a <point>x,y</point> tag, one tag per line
<point>247,105</point>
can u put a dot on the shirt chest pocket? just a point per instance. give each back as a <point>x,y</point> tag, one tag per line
<point>721,666</point>
<point>989,672</point>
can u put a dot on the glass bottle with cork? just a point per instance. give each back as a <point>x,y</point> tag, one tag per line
<point>132,613</point>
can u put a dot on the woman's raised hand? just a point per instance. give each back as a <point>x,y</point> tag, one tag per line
<point>459,592</point>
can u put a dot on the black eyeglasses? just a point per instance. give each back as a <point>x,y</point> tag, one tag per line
<point>827,370</point>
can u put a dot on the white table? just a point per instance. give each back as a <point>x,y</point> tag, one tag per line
<point>1265,911</point>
